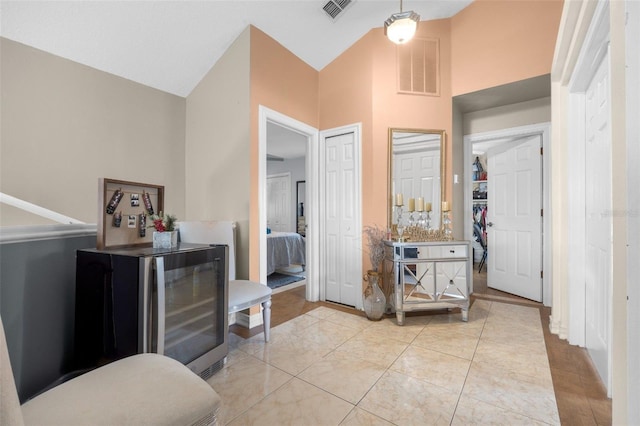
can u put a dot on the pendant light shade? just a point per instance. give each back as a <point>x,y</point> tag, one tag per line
<point>401,27</point>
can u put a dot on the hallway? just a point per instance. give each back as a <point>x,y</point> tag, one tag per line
<point>580,396</point>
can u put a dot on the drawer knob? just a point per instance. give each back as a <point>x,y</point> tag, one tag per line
<point>452,251</point>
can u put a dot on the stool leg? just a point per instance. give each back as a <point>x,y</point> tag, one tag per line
<point>266,318</point>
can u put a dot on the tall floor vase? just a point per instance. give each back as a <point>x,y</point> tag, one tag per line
<point>373,299</point>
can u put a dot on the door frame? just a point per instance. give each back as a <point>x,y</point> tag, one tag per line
<point>510,135</point>
<point>356,129</point>
<point>594,48</point>
<point>267,115</point>
<point>591,53</point>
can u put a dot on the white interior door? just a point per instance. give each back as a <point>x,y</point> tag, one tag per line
<point>279,203</point>
<point>417,174</point>
<point>342,246</point>
<point>598,232</point>
<point>514,222</point>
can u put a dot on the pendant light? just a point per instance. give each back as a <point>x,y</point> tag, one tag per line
<point>401,27</point>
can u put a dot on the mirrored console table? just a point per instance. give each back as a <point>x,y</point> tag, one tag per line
<point>429,275</point>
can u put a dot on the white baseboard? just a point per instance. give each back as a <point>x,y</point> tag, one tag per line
<point>245,320</point>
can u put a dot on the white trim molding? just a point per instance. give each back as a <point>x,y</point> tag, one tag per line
<point>544,130</point>
<point>21,234</point>
<point>266,115</point>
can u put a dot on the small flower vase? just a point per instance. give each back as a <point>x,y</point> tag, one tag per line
<point>373,299</point>
<point>165,240</point>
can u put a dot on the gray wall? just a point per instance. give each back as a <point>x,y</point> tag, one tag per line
<point>37,305</point>
<point>64,125</point>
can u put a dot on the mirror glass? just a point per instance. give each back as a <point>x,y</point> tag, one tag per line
<point>301,196</point>
<point>416,177</point>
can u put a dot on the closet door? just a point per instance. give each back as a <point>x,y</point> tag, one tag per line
<point>342,245</point>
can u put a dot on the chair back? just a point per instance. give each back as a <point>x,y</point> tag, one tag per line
<point>212,232</point>
<point>10,411</point>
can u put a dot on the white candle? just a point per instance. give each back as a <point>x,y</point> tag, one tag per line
<point>427,207</point>
<point>412,204</point>
<point>399,200</point>
<point>420,204</point>
<point>445,206</point>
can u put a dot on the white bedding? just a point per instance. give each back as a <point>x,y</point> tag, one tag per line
<point>284,249</point>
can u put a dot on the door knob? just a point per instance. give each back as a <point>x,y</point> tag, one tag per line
<point>490,224</point>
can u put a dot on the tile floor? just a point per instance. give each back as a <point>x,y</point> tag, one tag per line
<point>331,367</point>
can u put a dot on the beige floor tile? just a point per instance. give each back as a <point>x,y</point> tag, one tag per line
<point>455,341</point>
<point>242,384</point>
<point>296,403</point>
<point>527,395</point>
<point>296,325</point>
<point>411,374</point>
<point>293,355</point>
<point>234,341</point>
<point>360,417</point>
<point>440,369</point>
<point>327,333</point>
<point>526,359</point>
<point>350,320</point>
<point>343,376</point>
<point>473,412</point>
<point>388,329</point>
<point>404,400</point>
<point>473,326</point>
<point>374,349</point>
<point>516,335</point>
<point>322,312</point>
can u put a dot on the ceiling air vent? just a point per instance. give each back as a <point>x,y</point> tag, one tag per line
<point>334,8</point>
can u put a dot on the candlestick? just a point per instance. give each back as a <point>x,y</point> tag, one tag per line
<point>446,224</point>
<point>427,207</point>
<point>420,204</point>
<point>445,206</point>
<point>399,201</point>
<point>399,226</point>
<point>412,204</point>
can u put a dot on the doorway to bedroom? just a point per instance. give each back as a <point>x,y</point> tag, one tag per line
<point>286,203</point>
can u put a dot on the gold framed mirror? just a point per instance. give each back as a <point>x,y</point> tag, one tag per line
<point>416,177</point>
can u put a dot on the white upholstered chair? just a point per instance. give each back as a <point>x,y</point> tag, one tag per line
<point>243,294</point>
<point>144,389</point>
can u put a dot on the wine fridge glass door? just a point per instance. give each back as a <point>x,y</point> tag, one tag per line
<point>189,300</point>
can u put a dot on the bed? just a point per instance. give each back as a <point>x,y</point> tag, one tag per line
<point>284,249</point>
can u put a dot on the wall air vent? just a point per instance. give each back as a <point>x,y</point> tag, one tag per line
<point>334,8</point>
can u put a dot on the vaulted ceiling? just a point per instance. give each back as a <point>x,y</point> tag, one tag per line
<point>171,45</point>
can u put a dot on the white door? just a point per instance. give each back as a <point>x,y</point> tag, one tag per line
<point>342,233</point>
<point>417,174</point>
<point>598,220</point>
<point>514,222</point>
<point>279,203</point>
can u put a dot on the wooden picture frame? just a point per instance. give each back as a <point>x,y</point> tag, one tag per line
<point>129,201</point>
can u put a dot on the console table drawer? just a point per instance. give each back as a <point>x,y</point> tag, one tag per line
<point>449,251</point>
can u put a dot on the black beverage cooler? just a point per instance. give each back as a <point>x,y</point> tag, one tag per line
<point>168,301</point>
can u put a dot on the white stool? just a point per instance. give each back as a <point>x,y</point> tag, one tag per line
<point>244,294</point>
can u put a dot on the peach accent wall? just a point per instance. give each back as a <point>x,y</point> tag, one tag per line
<point>496,42</point>
<point>282,82</point>
<point>346,98</point>
<point>360,87</point>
